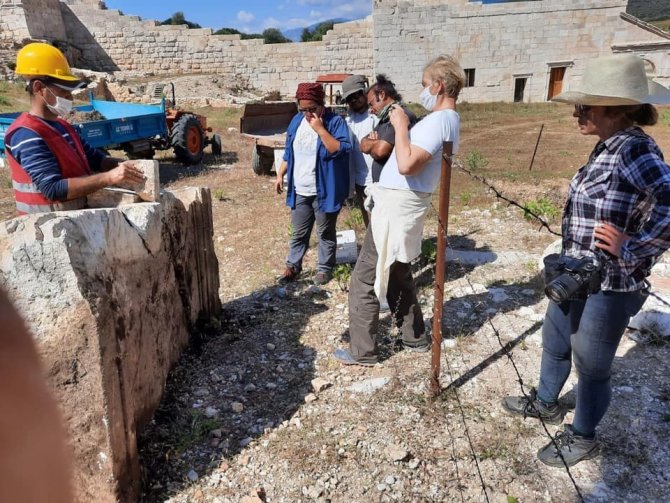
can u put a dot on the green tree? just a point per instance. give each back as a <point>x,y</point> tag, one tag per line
<point>233,31</point>
<point>274,36</point>
<point>179,18</point>
<point>317,33</point>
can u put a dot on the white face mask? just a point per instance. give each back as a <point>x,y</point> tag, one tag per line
<point>428,101</point>
<point>62,108</point>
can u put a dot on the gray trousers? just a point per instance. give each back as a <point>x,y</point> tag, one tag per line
<point>304,215</point>
<point>364,305</point>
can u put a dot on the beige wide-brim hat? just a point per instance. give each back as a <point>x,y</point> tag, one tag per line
<point>620,79</point>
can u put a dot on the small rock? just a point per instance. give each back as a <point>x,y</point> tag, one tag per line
<point>237,407</point>
<point>319,384</point>
<point>448,343</point>
<point>397,453</point>
<point>413,463</point>
<point>369,385</point>
<point>192,475</point>
<point>498,295</point>
<point>232,130</point>
<point>270,346</point>
<point>223,466</point>
<point>250,387</point>
<point>216,433</point>
<point>311,398</point>
<point>382,487</point>
<point>211,412</point>
<point>245,441</point>
<point>201,392</point>
<point>390,480</point>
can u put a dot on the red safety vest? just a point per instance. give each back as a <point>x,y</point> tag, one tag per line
<point>71,161</point>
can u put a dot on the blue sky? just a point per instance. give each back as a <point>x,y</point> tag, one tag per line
<point>250,16</point>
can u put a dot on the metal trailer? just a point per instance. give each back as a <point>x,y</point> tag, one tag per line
<point>266,124</point>
<point>139,130</point>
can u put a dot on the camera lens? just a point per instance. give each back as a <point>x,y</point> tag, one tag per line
<point>562,288</point>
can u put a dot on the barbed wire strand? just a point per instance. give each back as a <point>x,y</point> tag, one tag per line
<point>527,212</point>
<point>506,351</point>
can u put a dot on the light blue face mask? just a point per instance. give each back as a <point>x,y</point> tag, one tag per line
<point>428,101</point>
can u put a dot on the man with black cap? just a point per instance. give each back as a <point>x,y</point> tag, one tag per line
<point>52,167</point>
<point>360,123</point>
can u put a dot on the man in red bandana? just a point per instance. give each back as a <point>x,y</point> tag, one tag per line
<point>316,161</point>
<point>52,167</point>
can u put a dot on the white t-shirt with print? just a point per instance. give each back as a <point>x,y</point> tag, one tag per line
<point>428,134</point>
<point>304,159</point>
<point>360,164</point>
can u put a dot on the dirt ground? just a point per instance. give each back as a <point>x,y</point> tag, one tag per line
<point>258,410</point>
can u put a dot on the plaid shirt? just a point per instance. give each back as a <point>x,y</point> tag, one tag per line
<point>625,183</point>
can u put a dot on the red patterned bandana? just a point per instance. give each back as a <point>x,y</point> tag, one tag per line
<point>311,91</point>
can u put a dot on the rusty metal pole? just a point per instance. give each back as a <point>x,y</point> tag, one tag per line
<point>537,143</point>
<point>445,187</point>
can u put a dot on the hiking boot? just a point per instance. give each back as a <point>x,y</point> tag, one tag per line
<point>322,277</point>
<point>422,347</point>
<point>572,447</point>
<point>532,406</point>
<point>288,275</point>
<point>344,356</point>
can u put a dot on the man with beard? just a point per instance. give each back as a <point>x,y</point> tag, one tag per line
<point>379,144</point>
<point>360,122</point>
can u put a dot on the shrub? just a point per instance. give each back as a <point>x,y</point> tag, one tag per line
<point>429,250</point>
<point>475,160</point>
<point>342,274</point>
<point>542,207</point>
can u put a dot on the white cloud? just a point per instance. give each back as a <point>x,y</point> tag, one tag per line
<point>245,17</point>
<point>354,9</point>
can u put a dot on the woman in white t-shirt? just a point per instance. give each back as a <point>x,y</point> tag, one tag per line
<point>401,201</point>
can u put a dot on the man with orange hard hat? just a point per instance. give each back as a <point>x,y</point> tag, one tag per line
<point>52,167</point>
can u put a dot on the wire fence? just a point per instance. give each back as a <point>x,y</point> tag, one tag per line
<point>505,347</point>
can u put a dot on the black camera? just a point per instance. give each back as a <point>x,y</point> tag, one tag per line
<point>571,278</point>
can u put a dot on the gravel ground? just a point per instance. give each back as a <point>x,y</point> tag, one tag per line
<point>259,411</point>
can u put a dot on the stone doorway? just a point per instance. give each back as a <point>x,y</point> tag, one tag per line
<point>519,89</point>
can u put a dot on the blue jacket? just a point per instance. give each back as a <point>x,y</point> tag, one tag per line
<point>332,170</point>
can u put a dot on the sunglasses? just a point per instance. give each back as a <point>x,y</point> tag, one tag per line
<point>582,109</point>
<point>353,97</point>
<point>311,110</point>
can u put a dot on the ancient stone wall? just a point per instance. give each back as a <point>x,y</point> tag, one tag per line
<point>502,44</point>
<point>110,41</point>
<point>111,296</point>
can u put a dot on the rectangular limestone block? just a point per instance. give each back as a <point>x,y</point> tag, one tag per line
<point>149,190</point>
<point>111,198</point>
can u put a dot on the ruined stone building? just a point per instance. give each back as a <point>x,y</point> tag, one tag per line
<point>513,51</point>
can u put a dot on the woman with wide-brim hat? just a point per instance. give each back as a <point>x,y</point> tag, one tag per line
<point>618,216</point>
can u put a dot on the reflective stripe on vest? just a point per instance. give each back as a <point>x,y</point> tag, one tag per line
<point>73,204</point>
<point>71,162</point>
<point>29,188</point>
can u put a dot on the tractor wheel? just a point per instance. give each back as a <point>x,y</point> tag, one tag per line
<point>262,160</point>
<point>187,139</point>
<point>217,147</point>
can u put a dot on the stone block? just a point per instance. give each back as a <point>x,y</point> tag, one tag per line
<point>111,198</point>
<point>111,296</point>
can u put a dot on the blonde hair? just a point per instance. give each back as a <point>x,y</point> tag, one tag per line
<point>447,70</point>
